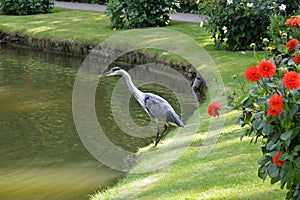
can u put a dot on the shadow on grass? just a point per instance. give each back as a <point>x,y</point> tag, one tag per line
<point>228,172</point>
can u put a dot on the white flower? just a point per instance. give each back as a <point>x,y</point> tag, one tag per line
<point>229,2</point>
<point>224,28</point>
<point>249,5</point>
<point>282,7</point>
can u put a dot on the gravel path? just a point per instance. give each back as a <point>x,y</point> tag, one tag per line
<point>84,6</point>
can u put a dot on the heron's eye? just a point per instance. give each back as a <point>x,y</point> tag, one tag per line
<point>115,69</point>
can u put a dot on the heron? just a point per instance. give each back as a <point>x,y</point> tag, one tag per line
<point>155,106</point>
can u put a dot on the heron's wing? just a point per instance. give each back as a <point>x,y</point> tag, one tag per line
<point>158,108</point>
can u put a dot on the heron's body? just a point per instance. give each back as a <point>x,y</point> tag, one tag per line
<point>157,108</point>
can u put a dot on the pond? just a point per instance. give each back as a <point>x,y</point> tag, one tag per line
<point>42,156</point>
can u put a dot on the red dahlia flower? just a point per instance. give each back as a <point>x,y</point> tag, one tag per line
<point>291,80</point>
<point>297,59</point>
<point>293,21</point>
<point>214,109</point>
<point>266,69</point>
<point>276,160</point>
<point>252,73</point>
<point>276,105</point>
<point>292,44</point>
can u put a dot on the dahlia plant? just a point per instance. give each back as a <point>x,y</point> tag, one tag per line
<point>270,110</point>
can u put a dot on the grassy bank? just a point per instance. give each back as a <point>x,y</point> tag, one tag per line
<point>67,31</point>
<point>229,171</point>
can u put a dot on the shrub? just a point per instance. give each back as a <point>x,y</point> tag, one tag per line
<point>101,2</point>
<point>187,6</point>
<point>280,33</point>
<point>238,23</point>
<point>271,110</point>
<point>139,13</point>
<point>26,7</point>
<point>205,6</point>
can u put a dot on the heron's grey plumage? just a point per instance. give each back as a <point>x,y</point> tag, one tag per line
<point>156,107</point>
<point>159,108</point>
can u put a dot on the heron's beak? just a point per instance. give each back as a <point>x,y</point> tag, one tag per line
<point>104,74</point>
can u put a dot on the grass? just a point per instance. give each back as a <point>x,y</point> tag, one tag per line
<point>229,171</point>
<point>82,26</point>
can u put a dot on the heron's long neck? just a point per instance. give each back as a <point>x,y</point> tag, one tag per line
<point>132,88</point>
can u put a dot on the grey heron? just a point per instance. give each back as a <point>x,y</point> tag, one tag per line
<point>155,106</point>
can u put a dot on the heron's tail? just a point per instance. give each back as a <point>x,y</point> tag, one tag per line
<point>180,123</point>
<point>174,118</point>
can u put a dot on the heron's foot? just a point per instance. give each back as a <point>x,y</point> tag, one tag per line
<point>159,137</point>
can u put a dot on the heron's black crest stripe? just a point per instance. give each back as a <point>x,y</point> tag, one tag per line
<point>115,69</point>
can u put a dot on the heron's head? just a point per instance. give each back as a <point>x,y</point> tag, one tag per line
<point>112,72</point>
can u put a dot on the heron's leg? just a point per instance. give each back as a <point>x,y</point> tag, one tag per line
<point>157,137</point>
<point>162,134</point>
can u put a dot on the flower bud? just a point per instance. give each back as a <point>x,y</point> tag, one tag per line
<point>269,48</point>
<point>284,35</point>
<point>252,45</point>
<point>265,40</point>
<point>284,70</point>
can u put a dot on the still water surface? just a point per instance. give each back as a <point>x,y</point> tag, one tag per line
<point>41,155</point>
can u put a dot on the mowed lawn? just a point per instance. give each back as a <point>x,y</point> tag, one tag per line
<point>228,171</point>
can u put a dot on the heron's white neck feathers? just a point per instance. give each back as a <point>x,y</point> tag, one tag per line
<point>139,95</point>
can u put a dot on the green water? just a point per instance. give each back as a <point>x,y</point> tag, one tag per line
<point>41,155</point>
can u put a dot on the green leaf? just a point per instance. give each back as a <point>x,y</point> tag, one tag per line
<point>246,102</point>
<point>262,100</point>
<point>274,180</point>
<point>287,122</point>
<point>257,124</point>
<point>288,170</point>
<point>267,128</point>
<point>271,85</point>
<point>297,163</point>
<point>271,145</point>
<point>290,62</point>
<point>263,172</point>
<point>287,135</point>
<point>273,171</point>
<point>286,156</point>
<point>258,115</point>
<point>296,148</point>
<point>289,185</point>
<point>264,160</point>
<point>282,116</point>
<point>293,111</point>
